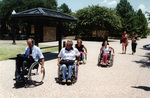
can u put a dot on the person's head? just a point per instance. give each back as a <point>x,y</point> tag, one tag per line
<point>79,41</point>
<point>69,45</point>
<point>124,32</point>
<point>106,43</point>
<point>30,42</point>
<point>133,33</point>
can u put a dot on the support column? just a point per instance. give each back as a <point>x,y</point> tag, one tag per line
<point>60,35</point>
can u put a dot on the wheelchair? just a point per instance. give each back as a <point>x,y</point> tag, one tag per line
<point>74,74</point>
<point>33,75</point>
<point>110,59</point>
<point>83,57</point>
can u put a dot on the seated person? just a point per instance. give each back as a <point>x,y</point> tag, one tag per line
<point>80,47</point>
<point>68,53</point>
<point>32,54</point>
<point>105,54</point>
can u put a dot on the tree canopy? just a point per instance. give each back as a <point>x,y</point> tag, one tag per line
<point>131,20</point>
<point>97,18</point>
<point>64,8</point>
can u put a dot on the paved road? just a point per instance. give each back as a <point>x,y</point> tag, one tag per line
<point>128,78</point>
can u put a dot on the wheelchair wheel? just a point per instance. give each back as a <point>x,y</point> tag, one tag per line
<point>99,59</point>
<point>35,75</point>
<point>111,61</point>
<point>59,74</point>
<point>84,58</point>
<point>76,72</point>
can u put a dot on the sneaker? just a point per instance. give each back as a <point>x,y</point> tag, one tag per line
<point>64,80</point>
<point>69,81</point>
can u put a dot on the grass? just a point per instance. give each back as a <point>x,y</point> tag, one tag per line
<point>8,51</point>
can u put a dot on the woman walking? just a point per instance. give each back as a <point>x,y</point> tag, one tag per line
<point>124,42</point>
<point>133,39</point>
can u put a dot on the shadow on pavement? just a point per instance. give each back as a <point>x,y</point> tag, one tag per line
<point>145,62</point>
<point>50,56</point>
<point>61,83</point>
<point>142,87</point>
<point>28,84</point>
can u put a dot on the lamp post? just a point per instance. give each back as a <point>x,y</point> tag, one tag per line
<point>13,29</point>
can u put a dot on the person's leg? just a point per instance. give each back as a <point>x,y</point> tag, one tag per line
<point>135,47</point>
<point>24,66</point>
<point>70,67</point>
<point>103,58</point>
<point>18,70</point>
<point>122,48</point>
<point>132,48</point>
<point>125,48</point>
<point>64,70</point>
<point>81,57</point>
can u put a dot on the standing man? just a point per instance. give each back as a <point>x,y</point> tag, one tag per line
<point>32,54</point>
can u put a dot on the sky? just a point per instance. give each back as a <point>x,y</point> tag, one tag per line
<point>75,5</point>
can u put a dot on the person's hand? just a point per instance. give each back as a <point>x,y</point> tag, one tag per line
<point>78,63</point>
<point>42,69</point>
<point>58,64</point>
<point>113,54</point>
<point>85,54</point>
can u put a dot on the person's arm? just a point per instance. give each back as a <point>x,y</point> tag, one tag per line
<point>132,38</point>
<point>78,59</point>
<point>77,55</point>
<point>85,49</point>
<point>58,61</point>
<point>42,65</point>
<point>113,50</point>
<point>101,49</point>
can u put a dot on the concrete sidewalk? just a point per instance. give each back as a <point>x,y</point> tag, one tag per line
<point>129,77</point>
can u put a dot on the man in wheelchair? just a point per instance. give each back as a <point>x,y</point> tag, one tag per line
<point>105,53</point>
<point>66,60</point>
<point>32,54</point>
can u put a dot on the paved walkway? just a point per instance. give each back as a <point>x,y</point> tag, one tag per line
<point>129,77</point>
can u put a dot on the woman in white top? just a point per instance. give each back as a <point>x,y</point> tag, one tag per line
<point>105,50</point>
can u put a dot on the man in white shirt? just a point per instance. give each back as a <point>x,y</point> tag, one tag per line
<point>68,53</point>
<point>32,54</point>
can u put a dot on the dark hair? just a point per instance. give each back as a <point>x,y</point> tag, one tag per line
<point>103,44</point>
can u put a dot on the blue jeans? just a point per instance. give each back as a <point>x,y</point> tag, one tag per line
<point>64,70</point>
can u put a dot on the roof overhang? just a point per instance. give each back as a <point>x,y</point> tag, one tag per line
<point>44,15</point>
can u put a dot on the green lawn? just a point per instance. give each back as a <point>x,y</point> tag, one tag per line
<point>8,51</point>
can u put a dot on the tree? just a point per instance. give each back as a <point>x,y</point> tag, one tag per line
<point>125,10</point>
<point>64,8</point>
<point>7,6</point>
<point>97,18</point>
<point>141,24</point>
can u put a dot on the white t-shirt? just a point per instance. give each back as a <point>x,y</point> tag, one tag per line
<point>106,50</point>
<point>68,55</point>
